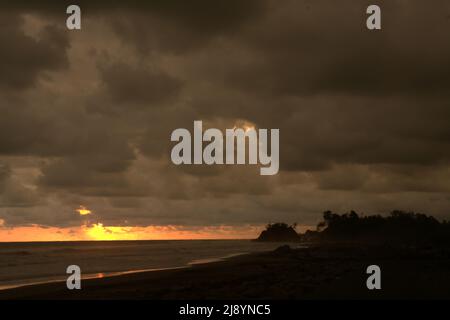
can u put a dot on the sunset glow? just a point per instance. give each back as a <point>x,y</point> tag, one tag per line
<point>99,231</point>
<point>245,125</point>
<point>248,128</point>
<point>83,211</point>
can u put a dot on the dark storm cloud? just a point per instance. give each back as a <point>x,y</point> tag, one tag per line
<point>96,171</point>
<point>134,84</point>
<point>167,25</point>
<point>28,129</point>
<point>177,27</point>
<point>22,58</point>
<point>366,131</point>
<point>317,47</point>
<point>5,173</point>
<point>12,193</point>
<point>338,92</point>
<point>363,116</point>
<point>82,178</point>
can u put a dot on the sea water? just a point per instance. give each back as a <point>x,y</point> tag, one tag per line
<point>41,262</point>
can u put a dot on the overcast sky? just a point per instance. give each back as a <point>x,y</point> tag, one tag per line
<point>86,116</point>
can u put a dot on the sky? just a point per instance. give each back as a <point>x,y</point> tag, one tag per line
<point>86,115</point>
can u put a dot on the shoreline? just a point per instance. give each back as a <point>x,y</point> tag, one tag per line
<point>103,275</point>
<point>90,276</point>
<point>317,272</point>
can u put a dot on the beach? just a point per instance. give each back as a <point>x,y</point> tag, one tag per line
<point>317,272</point>
<point>42,262</point>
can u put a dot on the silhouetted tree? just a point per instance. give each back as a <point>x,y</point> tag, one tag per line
<point>399,226</point>
<point>279,231</point>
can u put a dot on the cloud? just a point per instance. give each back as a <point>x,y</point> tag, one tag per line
<point>13,193</point>
<point>310,48</point>
<point>137,84</point>
<point>24,59</point>
<point>363,116</point>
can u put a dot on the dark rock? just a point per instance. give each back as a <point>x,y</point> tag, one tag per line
<point>279,232</point>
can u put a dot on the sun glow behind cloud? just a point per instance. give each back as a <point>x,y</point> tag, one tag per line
<point>244,124</point>
<point>83,211</point>
<point>248,128</point>
<point>99,231</point>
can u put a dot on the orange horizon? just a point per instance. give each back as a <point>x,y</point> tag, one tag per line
<point>100,232</point>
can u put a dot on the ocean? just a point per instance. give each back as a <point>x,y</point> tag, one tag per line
<point>40,262</point>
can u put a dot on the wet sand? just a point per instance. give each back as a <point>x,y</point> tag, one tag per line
<point>318,272</point>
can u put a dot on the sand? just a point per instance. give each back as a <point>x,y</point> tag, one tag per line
<point>318,272</point>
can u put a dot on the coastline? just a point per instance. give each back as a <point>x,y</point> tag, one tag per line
<point>103,275</point>
<point>318,272</point>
